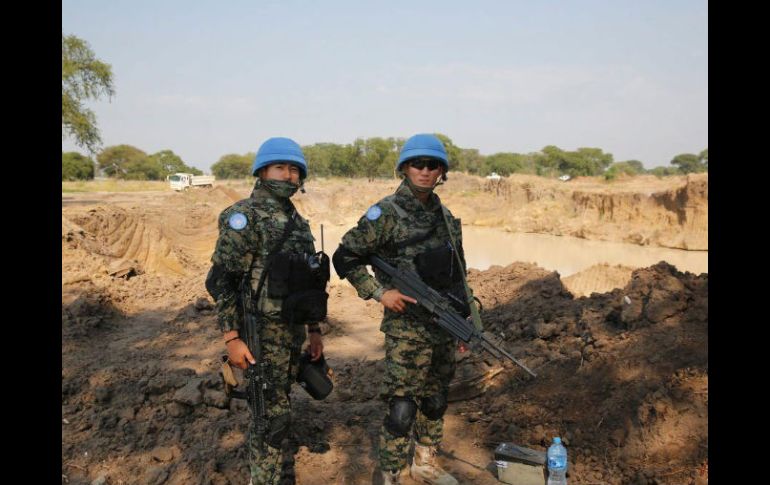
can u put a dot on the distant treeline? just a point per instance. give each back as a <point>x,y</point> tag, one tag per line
<point>376,158</point>
<point>124,162</point>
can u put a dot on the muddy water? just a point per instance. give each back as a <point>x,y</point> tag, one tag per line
<point>485,247</point>
<point>569,255</point>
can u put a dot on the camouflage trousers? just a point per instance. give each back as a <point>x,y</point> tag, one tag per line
<point>281,347</point>
<point>414,369</point>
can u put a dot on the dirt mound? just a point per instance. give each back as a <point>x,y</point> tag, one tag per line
<point>87,312</point>
<point>150,241</point>
<point>622,376</point>
<point>599,278</point>
<point>624,384</point>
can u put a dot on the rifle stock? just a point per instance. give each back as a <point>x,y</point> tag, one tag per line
<point>410,284</point>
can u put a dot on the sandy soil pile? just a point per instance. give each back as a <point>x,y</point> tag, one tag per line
<point>599,278</point>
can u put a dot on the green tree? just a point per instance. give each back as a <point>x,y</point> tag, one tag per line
<point>636,165</point>
<point>470,160</point>
<point>629,167</point>
<point>588,162</point>
<point>145,168</point>
<point>704,158</point>
<point>117,161</point>
<point>318,158</point>
<point>171,163</point>
<point>452,151</point>
<point>688,163</point>
<point>233,166</point>
<point>549,161</point>
<point>664,171</point>
<point>347,162</point>
<point>83,77</point>
<point>506,164</point>
<point>75,166</point>
<point>379,157</point>
<point>326,159</point>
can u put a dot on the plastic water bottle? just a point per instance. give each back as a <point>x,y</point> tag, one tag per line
<point>557,463</point>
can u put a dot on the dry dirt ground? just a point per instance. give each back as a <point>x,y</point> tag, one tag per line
<point>622,374</point>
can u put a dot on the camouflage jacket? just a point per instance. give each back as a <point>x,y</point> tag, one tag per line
<point>393,221</point>
<point>252,227</point>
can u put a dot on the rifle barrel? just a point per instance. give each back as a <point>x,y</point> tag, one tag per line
<point>447,318</point>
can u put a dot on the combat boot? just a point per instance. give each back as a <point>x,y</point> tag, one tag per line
<point>425,467</point>
<point>391,477</point>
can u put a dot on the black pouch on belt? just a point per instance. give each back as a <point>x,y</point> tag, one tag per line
<point>307,300</point>
<point>437,267</point>
<point>307,306</point>
<point>315,377</point>
<point>278,272</point>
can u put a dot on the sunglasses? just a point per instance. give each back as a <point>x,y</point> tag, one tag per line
<point>421,163</point>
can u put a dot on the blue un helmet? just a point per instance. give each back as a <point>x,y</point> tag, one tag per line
<point>423,145</point>
<point>279,149</point>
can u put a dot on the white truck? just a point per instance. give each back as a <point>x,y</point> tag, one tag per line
<point>183,181</point>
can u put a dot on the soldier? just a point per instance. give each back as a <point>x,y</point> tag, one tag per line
<point>409,229</point>
<point>262,250</point>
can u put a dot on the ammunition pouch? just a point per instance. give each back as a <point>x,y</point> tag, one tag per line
<point>300,281</point>
<point>315,377</point>
<point>303,307</point>
<point>438,269</point>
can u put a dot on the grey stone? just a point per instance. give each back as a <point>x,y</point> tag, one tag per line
<point>177,410</point>
<point>190,394</point>
<point>163,454</point>
<point>203,304</point>
<point>102,394</point>
<point>216,399</point>
<point>101,480</point>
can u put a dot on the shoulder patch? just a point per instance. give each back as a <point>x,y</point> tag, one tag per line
<point>374,213</point>
<point>237,221</point>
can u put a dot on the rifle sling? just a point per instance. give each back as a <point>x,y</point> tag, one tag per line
<point>471,302</point>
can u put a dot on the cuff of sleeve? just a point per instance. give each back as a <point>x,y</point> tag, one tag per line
<point>227,324</point>
<point>377,294</point>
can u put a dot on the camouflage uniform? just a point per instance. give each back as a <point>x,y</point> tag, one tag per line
<point>419,355</point>
<point>266,217</point>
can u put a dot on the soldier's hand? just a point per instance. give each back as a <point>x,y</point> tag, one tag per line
<point>316,346</point>
<point>239,354</point>
<point>396,301</point>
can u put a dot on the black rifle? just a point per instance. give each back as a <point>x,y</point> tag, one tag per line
<point>410,284</point>
<point>256,384</point>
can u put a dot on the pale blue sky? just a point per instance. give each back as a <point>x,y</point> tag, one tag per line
<point>209,78</point>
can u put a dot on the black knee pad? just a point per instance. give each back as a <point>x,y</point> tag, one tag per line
<point>277,430</point>
<point>399,420</point>
<point>433,407</point>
